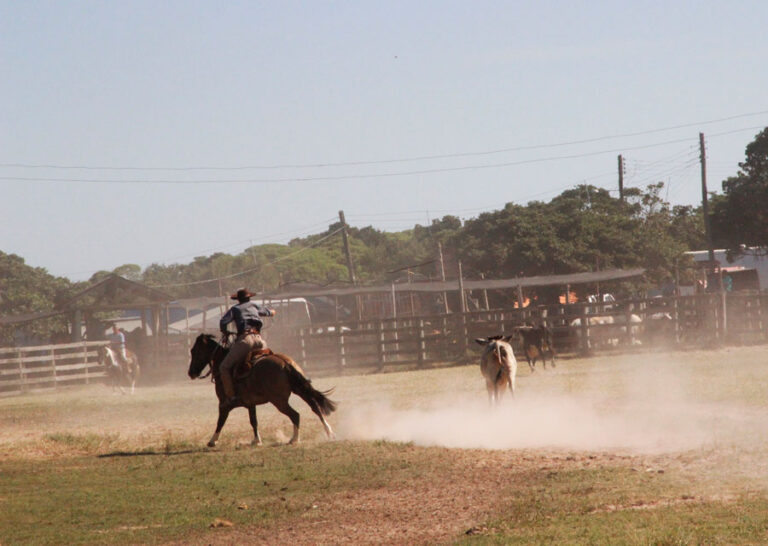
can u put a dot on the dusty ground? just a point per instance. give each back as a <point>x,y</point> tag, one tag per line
<point>701,392</point>
<point>440,509</point>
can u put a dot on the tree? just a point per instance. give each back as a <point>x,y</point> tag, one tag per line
<point>740,215</point>
<point>26,290</point>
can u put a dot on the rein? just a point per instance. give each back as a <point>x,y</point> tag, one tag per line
<point>210,364</point>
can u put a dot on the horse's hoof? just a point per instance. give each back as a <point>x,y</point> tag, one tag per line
<point>211,444</point>
<point>255,443</point>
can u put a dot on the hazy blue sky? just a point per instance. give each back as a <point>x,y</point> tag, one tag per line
<point>146,93</point>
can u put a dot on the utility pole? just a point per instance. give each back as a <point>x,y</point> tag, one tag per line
<point>704,200</point>
<point>347,253</point>
<point>350,264</point>
<point>442,274</point>
<point>462,301</point>
<point>621,178</point>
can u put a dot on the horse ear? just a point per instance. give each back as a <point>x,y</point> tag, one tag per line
<point>481,341</point>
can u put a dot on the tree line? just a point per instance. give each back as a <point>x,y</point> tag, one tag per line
<point>585,228</point>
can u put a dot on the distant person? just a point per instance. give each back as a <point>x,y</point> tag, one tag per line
<point>728,283</point>
<point>247,318</point>
<point>117,344</point>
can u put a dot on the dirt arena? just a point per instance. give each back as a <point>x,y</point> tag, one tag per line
<point>425,460</point>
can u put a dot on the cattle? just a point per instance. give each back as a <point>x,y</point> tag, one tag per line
<point>659,328</point>
<point>611,328</point>
<point>498,366</point>
<point>536,343</point>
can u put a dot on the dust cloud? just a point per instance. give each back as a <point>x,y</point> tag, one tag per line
<point>655,408</point>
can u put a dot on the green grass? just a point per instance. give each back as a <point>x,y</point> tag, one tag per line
<point>149,497</point>
<point>744,521</point>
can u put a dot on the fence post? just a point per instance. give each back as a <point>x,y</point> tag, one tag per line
<point>342,356</point>
<point>303,345</point>
<point>676,318</point>
<point>422,347</point>
<point>22,375</point>
<point>380,344</point>
<point>53,367</point>
<point>724,316</point>
<point>86,363</point>
<point>464,335</point>
<point>584,330</point>
<point>628,322</point>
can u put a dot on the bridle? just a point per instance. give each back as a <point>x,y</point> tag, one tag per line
<point>210,364</point>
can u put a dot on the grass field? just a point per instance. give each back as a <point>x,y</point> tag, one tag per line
<point>641,449</point>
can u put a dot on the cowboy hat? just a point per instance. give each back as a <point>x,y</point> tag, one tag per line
<point>240,295</point>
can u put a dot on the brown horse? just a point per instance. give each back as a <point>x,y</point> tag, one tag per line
<point>272,378</point>
<point>120,374</point>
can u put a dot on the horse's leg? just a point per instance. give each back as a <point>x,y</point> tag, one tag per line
<point>254,425</point>
<point>223,414</point>
<point>284,408</point>
<point>531,361</point>
<point>134,376</point>
<point>316,410</point>
<point>496,392</point>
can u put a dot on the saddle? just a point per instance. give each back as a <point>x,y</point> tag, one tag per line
<point>253,358</point>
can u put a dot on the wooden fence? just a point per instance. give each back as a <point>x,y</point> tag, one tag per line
<point>703,320</point>
<point>24,369</point>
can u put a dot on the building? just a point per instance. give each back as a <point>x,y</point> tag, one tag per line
<point>745,262</point>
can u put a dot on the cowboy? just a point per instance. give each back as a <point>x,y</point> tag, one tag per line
<point>246,316</point>
<point>117,344</point>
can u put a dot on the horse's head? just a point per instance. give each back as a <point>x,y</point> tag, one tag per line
<point>201,353</point>
<point>106,358</point>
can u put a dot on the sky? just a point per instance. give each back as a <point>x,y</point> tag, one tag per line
<point>153,132</point>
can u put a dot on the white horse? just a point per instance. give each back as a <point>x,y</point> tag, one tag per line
<point>120,374</point>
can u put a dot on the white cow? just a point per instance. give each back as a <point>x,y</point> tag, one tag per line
<point>610,326</point>
<point>498,366</point>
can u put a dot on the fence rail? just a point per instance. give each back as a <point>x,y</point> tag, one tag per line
<point>48,367</point>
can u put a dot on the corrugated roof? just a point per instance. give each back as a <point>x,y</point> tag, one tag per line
<point>489,284</point>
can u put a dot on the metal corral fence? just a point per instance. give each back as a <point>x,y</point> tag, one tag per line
<point>48,367</point>
<point>703,320</point>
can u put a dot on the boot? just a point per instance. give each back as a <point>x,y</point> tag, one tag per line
<point>229,390</point>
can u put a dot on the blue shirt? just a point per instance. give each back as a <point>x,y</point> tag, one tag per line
<point>245,315</point>
<point>117,340</point>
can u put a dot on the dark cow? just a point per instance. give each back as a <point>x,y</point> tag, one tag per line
<point>537,342</point>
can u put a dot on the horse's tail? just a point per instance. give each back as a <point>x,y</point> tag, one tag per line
<point>302,386</point>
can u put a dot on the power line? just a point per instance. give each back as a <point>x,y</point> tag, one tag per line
<point>345,177</point>
<point>390,161</point>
